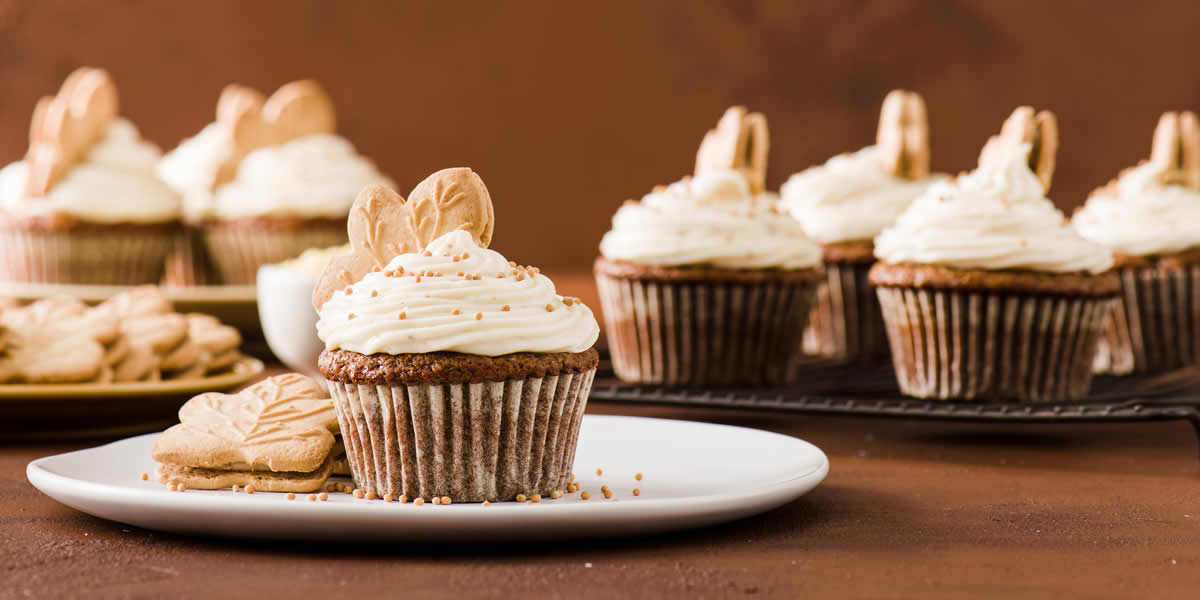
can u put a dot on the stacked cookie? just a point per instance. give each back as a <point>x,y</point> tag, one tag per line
<point>134,336</point>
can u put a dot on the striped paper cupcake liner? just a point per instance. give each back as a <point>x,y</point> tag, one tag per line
<point>705,332</point>
<point>1155,325</point>
<point>471,442</point>
<point>988,346</point>
<point>121,256</point>
<point>238,252</point>
<point>846,324</point>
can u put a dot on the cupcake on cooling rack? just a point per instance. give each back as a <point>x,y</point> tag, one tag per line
<point>85,206</point>
<point>266,181</point>
<point>987,293</point>
<point>1150,218</point>
<point>454,372</point>
<point>707,280</point>
<point>846,202</point>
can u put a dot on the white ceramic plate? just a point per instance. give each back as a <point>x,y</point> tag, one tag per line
<point>694,474</point>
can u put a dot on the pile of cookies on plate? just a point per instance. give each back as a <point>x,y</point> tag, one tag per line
<point>135,336</point>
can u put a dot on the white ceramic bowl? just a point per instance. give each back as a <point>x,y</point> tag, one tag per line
<point>289,321</point>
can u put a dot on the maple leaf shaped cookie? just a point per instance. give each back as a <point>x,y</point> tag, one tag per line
<point>1025,126</point>
<point>57,340</point>
<point>740,142</point>
<point>382,225</point>
<point>295,110</point>
<point>903,135</point>
<point>65,126</point>
<point>283,424</point>
<point>1177,148</point>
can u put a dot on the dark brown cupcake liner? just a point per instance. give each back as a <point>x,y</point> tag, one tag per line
<point>846,324</point>
<point>471,442</point>
<point>238,252</point>
<point>705,332</point>
<point>992,346</point>
<point>1155,324</point>
<point>97,255</point>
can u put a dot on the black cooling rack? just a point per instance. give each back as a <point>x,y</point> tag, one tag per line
<point>871,391</point>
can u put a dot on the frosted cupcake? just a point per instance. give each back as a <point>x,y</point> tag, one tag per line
<point>707,280</point>
<point>987,293</point>
<point>1150,218</point>
<point>268,179</point>
<point>846,202</point>
<point>454,372</point>
<point>84,205</point>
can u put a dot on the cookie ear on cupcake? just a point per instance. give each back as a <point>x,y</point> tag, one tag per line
<point>66,125</point>
<point>297,109</point>
<point>1177,147</point>
<point>382,225</point>
<point>903,135</point>
<point>740,142</point>
<point>1024,126</point>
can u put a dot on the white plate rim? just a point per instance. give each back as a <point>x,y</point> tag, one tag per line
<point>770,495</point>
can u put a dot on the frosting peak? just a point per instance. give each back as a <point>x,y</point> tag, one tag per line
<point>1140,215</point>
<point>455,296</point>
<point>711,219</point>
<point>850,197</point>
<point>995,218</point>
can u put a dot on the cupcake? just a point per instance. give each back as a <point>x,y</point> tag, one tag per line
<point>987,292</point>
<point>266,181</point>
<point>846,202</point>
<point>1150,218</point>
<point>454,372</point>
<point>84,206</point>
<point>707,280</point>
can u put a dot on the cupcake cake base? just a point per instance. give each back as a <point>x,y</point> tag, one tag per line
<point>470,427</point>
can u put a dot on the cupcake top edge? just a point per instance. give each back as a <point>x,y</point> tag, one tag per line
<point>456,296</point>
<point>995,218</point>
<point>1152,209</point>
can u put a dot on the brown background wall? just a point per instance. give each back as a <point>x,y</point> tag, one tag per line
<point>567,108</point>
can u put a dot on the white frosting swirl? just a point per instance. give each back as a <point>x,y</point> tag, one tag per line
<point>995,218</point>
<point>850,197</point>
<point>311,177</point>
<point>1142,217</point>
<point>712,219</point>
<point>114,183</point>
<point>475,302</point>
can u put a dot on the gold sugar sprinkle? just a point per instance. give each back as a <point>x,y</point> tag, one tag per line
<point>486,503</point>
<point>572,477</point>
<point>349,291</point>
<point>460,274</point>
<point>375,269</point>
<point>426,253</point>
<point>374,293</point>
<point>419,501</point>
<point>585,495</point>
<point>512,263</point>
<point>637,476</point>
<point>350,317</point>
<point>418,279</point>
<point>180,487</point>
<point>549,308</point>
<point>637,491</point>
<point>250,489</point>
<point>436,500</point>
<point>389,273</point>
<point>323,496</point>
<point>145,476</point>
<point>568,301</point>
<point>499,275</point>
<point>445,500</point>
<point>291,496</point>
<point>388,497</point>
<point>403,499</point>
<point>400,270</point>
<point>403,315</point>
<point>312,497</point>
<point>607,492</point>
<point>466,256</point>
<point>572,488</point>
<point>556,494</point>
<point>520,497</point>
<point>358,493</point>
<point>371,495</point>
<point>235,488</point>
<point>456,259</point>
<point>505,308</point>
<point>599,471</point>
<point>455,311</point>
<point>478,316</point>
<point>535,498</point>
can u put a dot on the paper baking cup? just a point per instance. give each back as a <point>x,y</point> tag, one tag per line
<point>238,252</point>
<point>705,332</point>
<point>1155,324</point>
<point>120,256</point>
<point>188,263</point>
<point>846,324</point>
<point>471,442</point>
<point>992,346</point>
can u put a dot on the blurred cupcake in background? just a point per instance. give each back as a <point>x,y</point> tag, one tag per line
<point>986,290</point>
<point>85,206</point>
<point>1150,218</point>
<point>707,280</point>
<point>846,202</point>
<point>267,180</point>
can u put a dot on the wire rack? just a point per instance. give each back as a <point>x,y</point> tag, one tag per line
<point>871,391</point>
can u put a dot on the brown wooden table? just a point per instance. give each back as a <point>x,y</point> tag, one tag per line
<point>909,510</point>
